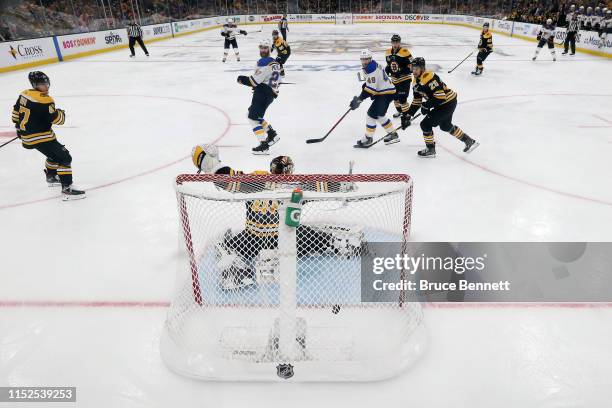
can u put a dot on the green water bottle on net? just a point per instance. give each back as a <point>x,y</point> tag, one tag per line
<point>294,209</point>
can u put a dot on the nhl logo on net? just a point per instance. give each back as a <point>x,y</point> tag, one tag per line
<point>284,371</point>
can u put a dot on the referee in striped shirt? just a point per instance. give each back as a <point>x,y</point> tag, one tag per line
<point>572,29</point>
<point>135,36</point>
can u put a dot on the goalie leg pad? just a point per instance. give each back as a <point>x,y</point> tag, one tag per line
<point>234,272</point>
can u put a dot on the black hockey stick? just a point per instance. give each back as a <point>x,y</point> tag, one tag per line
<point>383,137</point>
<point>287,83</point>
<point>462,61</point>
<point>330,130</point>
<point>4,144</point>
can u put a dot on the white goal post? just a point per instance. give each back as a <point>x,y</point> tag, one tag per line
<point>344,18</point>
<point>259,298</point>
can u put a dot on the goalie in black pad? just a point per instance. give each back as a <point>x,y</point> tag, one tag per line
<point>251,254</point>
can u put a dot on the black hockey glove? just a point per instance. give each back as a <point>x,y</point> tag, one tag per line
<point>425,110</point>
<point>223,34</point>
<point>539,37</point>
<point>405,120</point>
<point>355,103</point>
<point>243,32</point>
<point>244,80</point>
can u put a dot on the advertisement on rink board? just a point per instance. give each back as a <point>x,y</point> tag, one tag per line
<point>75,45</point>
<point>26,52</point>
<point>156,31</point>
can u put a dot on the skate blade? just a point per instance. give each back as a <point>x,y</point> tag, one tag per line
<point>472,147</point>
<point>73,198</point>
<point>431,156</point>
<point>267,152</point>
<point>54,184</point>
<point>273,141</point>
<point>392,142</point>
<point>362,146</point>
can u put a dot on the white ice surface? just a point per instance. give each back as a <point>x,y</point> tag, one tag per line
<point>542,173</point>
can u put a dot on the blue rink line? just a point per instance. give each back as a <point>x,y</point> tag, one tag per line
<point>321,280</point>
<point>308,68</point>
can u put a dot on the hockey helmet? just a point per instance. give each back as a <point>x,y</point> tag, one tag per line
<point>38,78</point>
<point>365,54</point>
<point>418,62</point>
<point>274,33</point>
<point>486,25</point>
<point>230,20</point>
<point>281,165</point>
<point>549,21</point>
<point>396,38</point>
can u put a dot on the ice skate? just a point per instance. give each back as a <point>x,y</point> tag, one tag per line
<point>69,194</point>
<point>364,142</point>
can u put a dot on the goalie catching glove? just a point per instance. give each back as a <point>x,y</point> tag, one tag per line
<point>206,158</point>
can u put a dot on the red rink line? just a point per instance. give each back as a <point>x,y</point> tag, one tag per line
<point>108,304</point>
<point>228,125</point>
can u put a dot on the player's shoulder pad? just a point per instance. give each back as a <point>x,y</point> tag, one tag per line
<point>389,51</point>
<point>371,67</point>
<point>265,61</point>
<point>403,52</point>
<point>37,96</point>
<point>487,34</point>
<point>426,77</point>
<point>260,172</point>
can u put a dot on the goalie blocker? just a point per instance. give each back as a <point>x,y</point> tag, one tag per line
<point>249,256</point>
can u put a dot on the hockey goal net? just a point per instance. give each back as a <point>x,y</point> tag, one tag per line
<point>344,18</point>
<point>260,297</point>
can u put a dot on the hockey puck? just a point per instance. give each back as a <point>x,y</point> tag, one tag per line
<point>335,309</point>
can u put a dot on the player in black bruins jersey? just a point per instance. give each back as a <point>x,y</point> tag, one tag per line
<point>240,255</point>
<point>398,68</point>
<point>283,50</point>
<point>485,47</point>
<point>34,114</point>
<point>437,103</point>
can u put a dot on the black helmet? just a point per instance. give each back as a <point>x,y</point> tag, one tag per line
<point>281,165</point>
<point>418,62</point>
<point>37,78</point>
<point>486,25</point>
<point>396,38</point>
<point>274,32</point>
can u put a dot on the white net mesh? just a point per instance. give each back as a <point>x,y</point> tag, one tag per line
<point>255,294</point>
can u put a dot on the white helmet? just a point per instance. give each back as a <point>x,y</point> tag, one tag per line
<point>265,43</point>
<point>230,19</point>
<point>206,158</point>
<point>365,54</point>
<point>549,21</point>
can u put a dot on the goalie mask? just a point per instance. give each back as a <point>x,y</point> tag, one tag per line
<point>281,165</point>
<point>206,158</point>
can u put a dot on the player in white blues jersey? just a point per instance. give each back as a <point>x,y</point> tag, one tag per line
<point>230,30</point>
<point>380,89</point>
<point>265,82</point>
<point>546,36</point>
